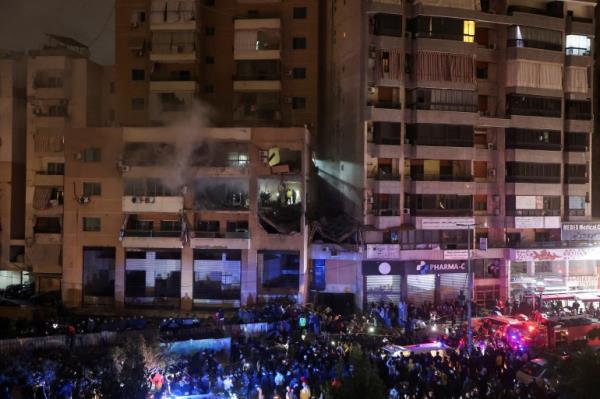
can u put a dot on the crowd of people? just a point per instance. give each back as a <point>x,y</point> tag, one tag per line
<point>304,354</point>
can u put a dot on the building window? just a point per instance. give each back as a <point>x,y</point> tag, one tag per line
<point>138,74</point>
<point>56,168</point>
<point>209,60</point>
<point>299,12</point>
<point>90,189</point>
<point>137,104</point>
<point>91,224</point>
<point>210,31</point>
<point>469,31</point>
<point>298,103</point>
<point>92,155</point>
<point>299,73</point>
<point>209,89</point>
<point>299,43</point>
<point>209,3</point>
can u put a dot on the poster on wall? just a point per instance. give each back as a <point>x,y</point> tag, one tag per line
<point>445,223</point>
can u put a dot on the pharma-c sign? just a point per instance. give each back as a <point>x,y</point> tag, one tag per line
<point>436,267</point>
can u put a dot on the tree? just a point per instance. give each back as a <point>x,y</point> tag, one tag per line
<point>362,382</point>
<point>580,375</point>
<point>130,368</point>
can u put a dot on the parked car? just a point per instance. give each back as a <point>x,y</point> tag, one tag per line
<point>19,291</point>
<point>536,371</point>
<point>50,298</point>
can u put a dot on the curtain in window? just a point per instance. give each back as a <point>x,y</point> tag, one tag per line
<point>577,80</point>
<point>187,10</point>
<point>389,65</point>
<point>464,4</point>
<point>158,11</point>
<point>41,197</point>
<point>161,42</point>
<point>172,11</point>
<point>541,75</point>
<point>435,66</point>
<point>245,40</point>
<point>48,143</point>
<point>527,33</point>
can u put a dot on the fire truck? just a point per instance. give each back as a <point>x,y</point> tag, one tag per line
<point>567,330</point>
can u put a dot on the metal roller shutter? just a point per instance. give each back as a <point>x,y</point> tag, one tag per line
<point>451,284</point>
<point>420,288</point>
<point>383,288</point>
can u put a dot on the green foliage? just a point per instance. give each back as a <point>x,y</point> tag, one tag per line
<point>364,382</point>
<point>129,368</point>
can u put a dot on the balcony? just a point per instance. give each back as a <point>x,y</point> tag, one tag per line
<point>257,39</point>
<point>173,15</point>
<point>256,85</point>
<point>169,86</point>
<point>136,204</point>
<point>229,240</point>
<point>530,43</point>
<point>385,104</point>
<point>441,177</point>
<point>47,87</point>
<point>135,237</point>
<point>46,179</point>
<point>389,186</point>
<point>173,47</point>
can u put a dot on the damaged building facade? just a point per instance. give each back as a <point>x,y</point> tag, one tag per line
<point>158,219</point>
<point>446,116</point>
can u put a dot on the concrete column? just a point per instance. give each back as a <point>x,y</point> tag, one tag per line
<point>120,277</point>
<point>249,276</point>
<point>531,268</point>
<point>504,279</point>
<point>187,278</point>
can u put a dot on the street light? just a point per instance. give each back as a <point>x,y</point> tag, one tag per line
<point>469,226</point>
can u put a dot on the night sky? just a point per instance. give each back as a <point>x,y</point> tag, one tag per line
<point>24,22</point>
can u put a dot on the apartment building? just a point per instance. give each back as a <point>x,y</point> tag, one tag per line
<point>450,117</point>
<point>64,89</point>
<point>177,218</point>
<point>12,169</point>
<point>251,62</point>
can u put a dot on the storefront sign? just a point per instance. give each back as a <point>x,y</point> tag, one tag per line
<point>522,255</point>
<point>435,267</point>
<point>457,254</point>
<point>445,223</point>
<point>537,222</point>
<point>375,268</point>
<point>583,231</point>
<point>383,251</point>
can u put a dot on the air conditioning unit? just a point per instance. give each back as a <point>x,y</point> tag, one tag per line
<point>406,211</point>
<point>149,200</point>
<point>53,203</point>
<point>290,72</point>
<point>135,200</point>
<point>37,111</point>
<point>84,199</point>
<point>124,168</point>
<point>372,90</point>
<point>370,200</point>
<point>78,155</point>
<point>264,156</point>
<point>492,172</point>
<point>491,146</point>
<point>370,129</point>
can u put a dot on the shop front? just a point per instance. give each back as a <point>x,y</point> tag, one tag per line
<point>416,282</point>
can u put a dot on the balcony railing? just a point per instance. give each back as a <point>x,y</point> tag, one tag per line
<point>151,233</point>
<point>439,106</point>
<point>433,177</point>
<point>576,179</point>
<point>383,175</point>
<point>532,179</point>
<point>46,230</point>
<point>386,141</point>
<point>386,212</point>
<point>385,104</point>
<point>578,115</point>
<point>442,212</point>
<point>237,234</point>
<point>526,111</point>
<point>534,44</point>
<point>533,145</point>
<point>537,11</point>
<point>442,35</point>
<point>533,212</point>
<point>578,51</point>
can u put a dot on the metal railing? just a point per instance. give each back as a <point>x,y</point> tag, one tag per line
<point>151,233</point>
<point>439,177</point>
<point>534,44</point>
<point>578,51</point>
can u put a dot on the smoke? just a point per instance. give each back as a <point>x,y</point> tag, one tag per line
<point>192,146</point>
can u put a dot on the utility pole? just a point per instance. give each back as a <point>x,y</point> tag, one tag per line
<point>469,288</point>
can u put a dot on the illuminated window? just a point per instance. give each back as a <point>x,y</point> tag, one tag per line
<point>468,31</point>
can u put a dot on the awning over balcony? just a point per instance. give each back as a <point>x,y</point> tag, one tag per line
<point>41,197</point>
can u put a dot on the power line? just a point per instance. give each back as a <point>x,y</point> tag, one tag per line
<point>104,26</point>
